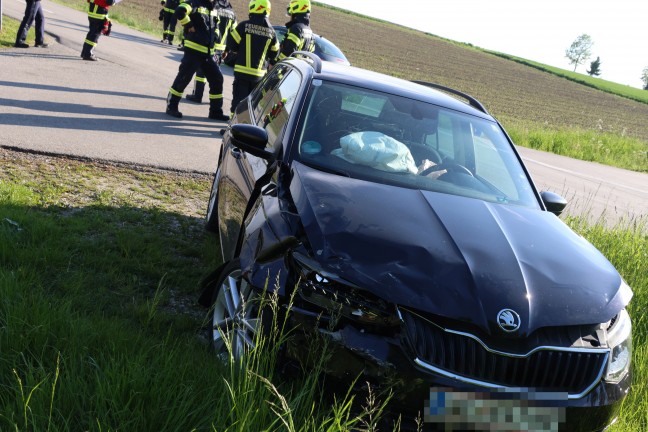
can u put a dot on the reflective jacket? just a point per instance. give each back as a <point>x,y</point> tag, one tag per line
<point>200,22</point>
<point>299,36</point>
<point>170,5</point>
<point>226,23</point>
<point>98,9</point>
<point>255,43</point>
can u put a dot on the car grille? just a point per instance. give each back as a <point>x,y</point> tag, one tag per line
<point>462,356</point>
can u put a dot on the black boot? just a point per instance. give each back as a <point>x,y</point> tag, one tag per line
<point>199,88</point>
<point>172,105</point>
<point>86,52</point>
<point>216,110</point>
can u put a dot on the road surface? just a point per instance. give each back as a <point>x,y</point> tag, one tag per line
<point>52,101</point>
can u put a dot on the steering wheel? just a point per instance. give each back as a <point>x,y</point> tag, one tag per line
<point>448,166</point>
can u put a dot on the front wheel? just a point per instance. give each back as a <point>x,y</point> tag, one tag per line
<point>236,319</point>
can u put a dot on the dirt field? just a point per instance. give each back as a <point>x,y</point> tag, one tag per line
<point>512,92</point>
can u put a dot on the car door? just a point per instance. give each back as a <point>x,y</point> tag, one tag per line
<point>271,105</point>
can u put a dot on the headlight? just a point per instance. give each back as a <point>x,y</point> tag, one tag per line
<point>620,343</point>
<point>338,297</point>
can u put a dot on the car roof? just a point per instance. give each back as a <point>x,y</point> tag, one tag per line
<point>388,84</point>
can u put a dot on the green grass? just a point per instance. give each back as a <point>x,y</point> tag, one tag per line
<point>589,145</point>
<point>626,246</point>
<point>626,91</point>
<point>99,330</point>
<point>9,31</point>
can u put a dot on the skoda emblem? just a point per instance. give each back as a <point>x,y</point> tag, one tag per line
<point>508,320</point>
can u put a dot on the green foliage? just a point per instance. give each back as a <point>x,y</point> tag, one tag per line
<point>589,145</point>
<point>580,50</point>
<point>99,328</point>
<point>626,246</point>
<point>595,67</point>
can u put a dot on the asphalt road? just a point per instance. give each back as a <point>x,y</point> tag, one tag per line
<point>52,101</point>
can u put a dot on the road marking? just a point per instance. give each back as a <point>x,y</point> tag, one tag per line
<point>592,178</point>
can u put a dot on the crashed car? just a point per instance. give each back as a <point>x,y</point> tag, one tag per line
<point>402,222</point>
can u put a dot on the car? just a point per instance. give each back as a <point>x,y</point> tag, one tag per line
<point>398,220</point>
<point>324,48</point>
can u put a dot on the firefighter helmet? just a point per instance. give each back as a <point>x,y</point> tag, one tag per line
<point>260,7</point>
<point>299,6</point>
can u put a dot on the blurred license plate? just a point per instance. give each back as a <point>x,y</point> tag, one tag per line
<point>496,410</point>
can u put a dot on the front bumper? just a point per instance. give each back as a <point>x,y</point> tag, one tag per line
<point>383,362</point>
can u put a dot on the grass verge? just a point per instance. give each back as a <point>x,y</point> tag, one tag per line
<point>99,329</point>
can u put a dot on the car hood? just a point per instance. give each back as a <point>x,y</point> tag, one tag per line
<point>456,257</point>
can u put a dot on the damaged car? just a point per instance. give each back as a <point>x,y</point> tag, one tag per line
<point>403,226</point>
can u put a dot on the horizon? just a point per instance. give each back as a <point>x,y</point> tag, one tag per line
<point>620,35</point>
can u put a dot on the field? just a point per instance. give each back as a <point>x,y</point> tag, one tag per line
<point>100,265</point>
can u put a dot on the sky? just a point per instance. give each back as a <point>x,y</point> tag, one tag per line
<point>532,29</point>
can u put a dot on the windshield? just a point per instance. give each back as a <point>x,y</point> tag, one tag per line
<point>369,135</point>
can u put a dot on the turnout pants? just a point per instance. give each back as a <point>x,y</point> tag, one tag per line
<point>33,13</point>
<point>169,26</point>
<point>96,25</point>
<point>191,61</point>
<point>242,87</point>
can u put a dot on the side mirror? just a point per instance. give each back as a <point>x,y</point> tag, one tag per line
<point>553,202</point>
<point>252,139</point>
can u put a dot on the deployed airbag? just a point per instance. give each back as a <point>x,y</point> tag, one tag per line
<point>376,150</point>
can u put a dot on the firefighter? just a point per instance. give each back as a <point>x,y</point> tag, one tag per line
<point>168,20</point>
<point>226,22</point>
<point>299,36</point>
<point>254,43</point>
<point>199,19</point>
<point>97,17</point>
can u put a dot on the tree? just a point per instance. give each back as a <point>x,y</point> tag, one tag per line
<point>595,67</point>
<point>644,77</point>
<point>580,50</point>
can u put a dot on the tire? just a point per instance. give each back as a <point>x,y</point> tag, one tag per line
<point>236,317</point>
<point>211,219</point>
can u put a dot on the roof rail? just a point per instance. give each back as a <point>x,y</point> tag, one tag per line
<point>472,101</point>
<point>317,62</point>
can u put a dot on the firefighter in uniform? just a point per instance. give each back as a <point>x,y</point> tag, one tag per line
<point>226,22</point>
<point>299,36</point>
<point>254,42</point>
<point>199,19</point>
<point>97,18</point>
<point>169,20</point>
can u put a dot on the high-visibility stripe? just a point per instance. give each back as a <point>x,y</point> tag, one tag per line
<point>249,71</point>
<point>184,21</point>
<point>215,96</point>
<point>236,36</point>
<point>89,42</point>
<point>175,93</point>
<point>92,12</point>
<point>166,9</point>
<point>197,47</point>
<point>295,39</point>
<point>200,79</point>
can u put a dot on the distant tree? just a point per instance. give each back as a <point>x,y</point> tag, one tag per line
<point>580,50</point>
<point>644,77</point>
<point>595,67</point>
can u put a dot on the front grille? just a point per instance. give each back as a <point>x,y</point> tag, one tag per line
<point>574,371</point>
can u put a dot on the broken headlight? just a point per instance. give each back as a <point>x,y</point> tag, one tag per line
<point>620,343</point>
<point>338,298</point>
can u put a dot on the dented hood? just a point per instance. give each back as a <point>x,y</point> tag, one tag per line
<point>457,257</point>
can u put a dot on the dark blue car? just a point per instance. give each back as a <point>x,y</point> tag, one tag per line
<point>402,222</point>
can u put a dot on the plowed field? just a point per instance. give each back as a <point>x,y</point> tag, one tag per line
<point>512,92</point>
